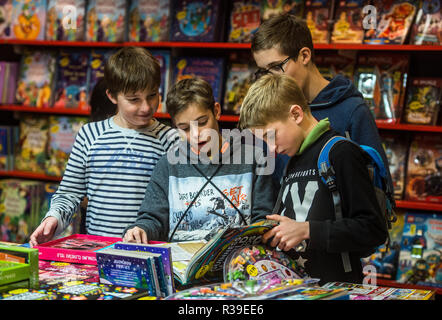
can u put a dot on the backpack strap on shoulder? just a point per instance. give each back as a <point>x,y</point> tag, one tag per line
<point>327,174</point>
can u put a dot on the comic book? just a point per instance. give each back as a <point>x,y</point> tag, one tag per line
<point>5,19</point>
<point>394,21</point>
<point>427,28</point>
<point>75,290</point>
<point>36,78</point>
<point>317,16</point>
<point>244,20</point>
<point>396,148</point>
<point>240,76</point>
<point>424,178</point>
<point>149,20</point>
<point>332,64</point>
<point>166,258</point>
<point>139,269</point>
<point>203,261</point>
<point>197,20</point>
<point>77,248</point>
<point>62,133</point>
<point>423,101</point>
<point>381,78</point>
<point>54,272</point>
<point>71,82</point>
<point>105,20</point>
<point>163,58</point>
<point>385,259</point>
<point>16,252</point>
<point>28,19</point>
<point>19,202</point>
<point>347,27</point>
<point>421,247</point>
<point>271,8</point>
<point>65,20</point>
<point>210,69</point>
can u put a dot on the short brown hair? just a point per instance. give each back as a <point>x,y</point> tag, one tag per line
<point>132,69</point>
<point>285,32</point>
<point>269,99</point>
<point>187,91</point>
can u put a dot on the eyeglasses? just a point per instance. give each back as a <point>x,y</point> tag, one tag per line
<point>277,68</point>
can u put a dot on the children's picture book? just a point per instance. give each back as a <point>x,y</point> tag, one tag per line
<point>332,64</point>
<point>5,19</point>
<point>75,290</point>
<point>163,57</point>
<point>396,149</point>
<point>258,289</point>
<point>166,259</point>
<point>394,21</point>
<point>210,69</point>
<point>149,20</point>
<point>11,272</point>
<point>347,27</point>
<point>421,247</point>
<point>271,8</point>
<point>65,20</point>
<point>317,16</point>
<point>204,262</point>
<point>98,58</point>
<point>427,28</point>
<point>77,248</point>
<point>261,262</point>
<point>133,269</point>
<point>382,78</point>
<point>55,272</point>
<point>17,253</point>
<point>240,76</point>
<point>6,148</point>
<point>386,258</point>
<point>244,20</point>
<point>423,101</point>
<point>28,19</point>
<point>36,78</point>
<point>197,20</point>
<point>424,168</point>
<point>62,133</point>
<point>371,292</point>
<point>105,20</point>
<point>72,77</point>
<point>31,149</point>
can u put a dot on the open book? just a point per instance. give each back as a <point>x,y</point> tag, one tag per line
<point>203,261</point>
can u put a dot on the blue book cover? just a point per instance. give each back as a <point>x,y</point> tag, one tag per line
<point>210,69</point>
<point>196,20</point>
<point>125,268</point>
<point>166,259</point>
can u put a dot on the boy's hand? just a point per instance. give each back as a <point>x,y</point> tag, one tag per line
<point>44,232</point>
<point>288,234</point>
<point>135,234</point>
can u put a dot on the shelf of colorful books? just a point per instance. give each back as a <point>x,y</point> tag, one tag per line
<point>419,205</point>
<point>45,110</point>
<point>407,127</point>
<point>28,175</point>
<point>395,284</point>
<point>219,45</point>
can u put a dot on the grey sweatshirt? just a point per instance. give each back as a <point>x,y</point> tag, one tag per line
<point>181,203</point>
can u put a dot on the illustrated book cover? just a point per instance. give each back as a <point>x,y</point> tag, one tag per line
<point>105,20</point>
<point>28,19</point>
<point>347,27</point>
<point>65,20</point>
<point>244,20</point>
<point>426,29</point>
<point>318,13</point>
<point>271,8</point>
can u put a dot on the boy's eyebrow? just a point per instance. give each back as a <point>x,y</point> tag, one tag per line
<point>184,123</point>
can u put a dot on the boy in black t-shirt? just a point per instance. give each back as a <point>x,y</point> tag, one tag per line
<point>276,105</point>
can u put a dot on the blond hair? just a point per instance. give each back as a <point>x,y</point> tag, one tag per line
<point>269,99</point>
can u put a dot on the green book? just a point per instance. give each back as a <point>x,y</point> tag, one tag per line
<point>23,284</point>
<point>13,272</point>
<point>27,255</point>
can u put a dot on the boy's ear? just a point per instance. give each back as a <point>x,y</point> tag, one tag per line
<point>296,113</point>
<point>305,55</point>
<point>111,98</point>
<point>217,110</point>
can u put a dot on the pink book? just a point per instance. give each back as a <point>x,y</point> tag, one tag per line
<point>2,78</point>
<point>77,248</point>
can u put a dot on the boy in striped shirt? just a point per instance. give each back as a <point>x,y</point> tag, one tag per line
<point>112,160</point>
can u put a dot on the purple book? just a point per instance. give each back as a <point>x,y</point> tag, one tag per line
<point>2,79</point>
<point>12,82</point>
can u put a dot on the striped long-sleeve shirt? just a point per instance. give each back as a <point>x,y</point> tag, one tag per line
<point>112,166</point>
